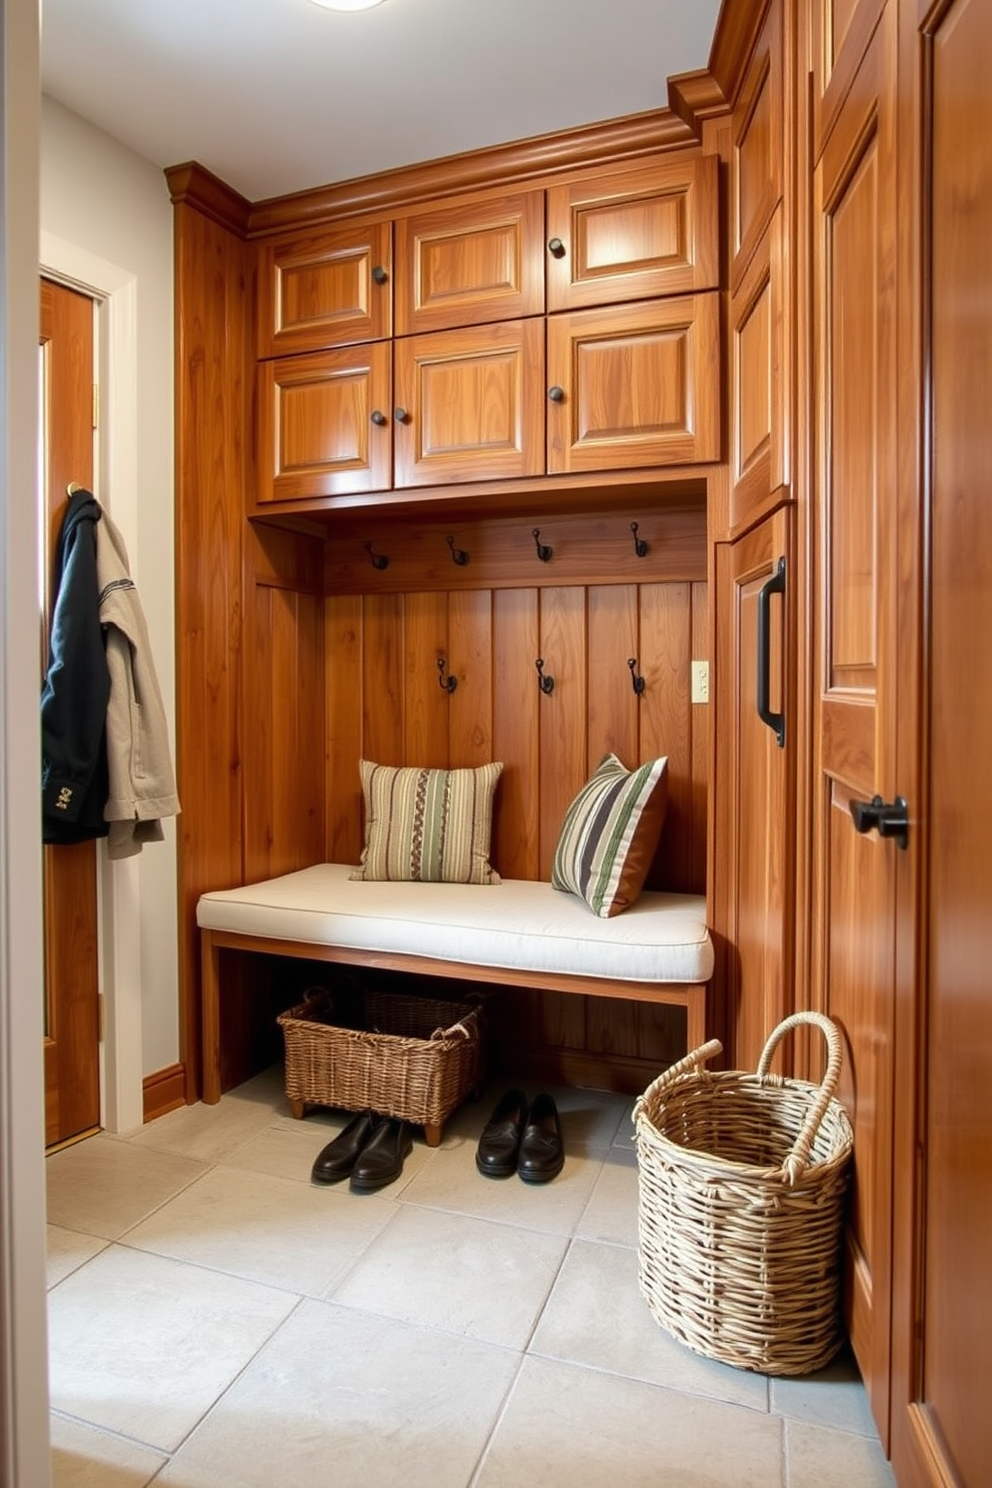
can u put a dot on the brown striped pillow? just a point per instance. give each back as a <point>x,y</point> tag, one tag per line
<point>610,834</point>
<point>431,826</point>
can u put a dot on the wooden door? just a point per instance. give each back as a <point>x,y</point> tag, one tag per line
<point>469,404</point>
<point>325,422</point>
<point>72,1020</point>
<point>625,235</point>
<point>321,289</point>
<point>753,868</point>
<point>855,492</point>
<point>634,385</point>
<point>942,1428</point>
<point>470,264</point>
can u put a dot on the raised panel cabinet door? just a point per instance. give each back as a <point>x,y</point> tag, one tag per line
<point>854,872</point>
<point>633,386</point>
<point>754,856</point>
<point>841,31</point>
<point>470,264</point>
<point>320,289</point>
<point>759,387</point>
<point>756,145</point>
<point>632,234</point>
<point>469,404</point>
<point>324,424</point>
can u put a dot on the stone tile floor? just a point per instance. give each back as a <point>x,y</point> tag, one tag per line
<point>216,1321</point>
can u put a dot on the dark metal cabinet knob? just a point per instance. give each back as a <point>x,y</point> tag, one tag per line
<point>379,274</point>
<point>556,247</point>
<point>556,394</point>
<point>400,415</point>
<point>887,818</point>
<point>378,417</point>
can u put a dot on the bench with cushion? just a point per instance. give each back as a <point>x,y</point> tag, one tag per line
<point>516,933</point>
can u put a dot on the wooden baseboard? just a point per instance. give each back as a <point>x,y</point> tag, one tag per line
<point>164,1091</point>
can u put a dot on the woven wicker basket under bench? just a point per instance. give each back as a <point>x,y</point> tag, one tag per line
<point>516,933</point>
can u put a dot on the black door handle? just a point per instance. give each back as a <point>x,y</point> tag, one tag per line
<point>775,585</point>
<point>887,818</point>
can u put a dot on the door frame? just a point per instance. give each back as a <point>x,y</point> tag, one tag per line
<point>114,290</point>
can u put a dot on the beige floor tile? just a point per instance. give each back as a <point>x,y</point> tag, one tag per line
<point>832,1397</point>
<point>589,1118</point>
<point>626,1129</point>
<point>83,1457</point>
<point>265,1229</point>
<point>68,1250</point>
<point>209,1133</point>
<point>611,1213</point>
<point>448,1271</point>
<point>288,1148</point>
<point>103,1186</point>
<point>596,1316</point>
<point>342,1399</point>
<point>567,1427</point>
<point>452,1182</point>
<point>817,1457</point>
<point>143,1346</point>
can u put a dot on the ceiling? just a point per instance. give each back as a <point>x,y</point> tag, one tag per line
<point>275,96</point>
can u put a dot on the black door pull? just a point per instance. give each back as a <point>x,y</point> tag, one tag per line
<point>887,818</point>
<point>775,585</point>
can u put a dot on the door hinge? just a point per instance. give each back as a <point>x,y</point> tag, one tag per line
<point>96,405</point>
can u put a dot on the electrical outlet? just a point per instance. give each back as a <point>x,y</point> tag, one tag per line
<point>700,681</point>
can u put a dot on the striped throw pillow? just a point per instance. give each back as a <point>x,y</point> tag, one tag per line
<point>427,826</point>
<point>610,834</point>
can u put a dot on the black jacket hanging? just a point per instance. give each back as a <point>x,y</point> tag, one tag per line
<point>74,782</point>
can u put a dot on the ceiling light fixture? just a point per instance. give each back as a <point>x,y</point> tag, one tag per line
<point>347,4</point>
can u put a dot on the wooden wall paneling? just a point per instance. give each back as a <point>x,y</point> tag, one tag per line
<point>665,721</point>
<point>470,660</point>
<point>563,713</point>
<point>383,696</point>
<point>345,712</point>
<point>611,626</point>
<point>516,714</point>
<point>426,705</point>
<point>701,742</point>
<point>212,474</point>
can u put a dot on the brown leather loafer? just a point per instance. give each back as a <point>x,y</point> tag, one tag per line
<point>499,1145</point>
<point>542,1155</point>
<point>381,1159</point>
<point>336,1160</point>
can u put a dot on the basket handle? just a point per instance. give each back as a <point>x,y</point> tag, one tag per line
<point>797,1160</point>
<point>443,1033</point>
<point>691,1061</point>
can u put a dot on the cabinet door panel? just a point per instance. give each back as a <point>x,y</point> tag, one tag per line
<point>473,402</point>
<point>468,265</point>
<point>756,158</point>
<point>759,386</point>
<point>628,235</point>
<point>316,432</point>
<point>640,384</point>
<point>324,289</point>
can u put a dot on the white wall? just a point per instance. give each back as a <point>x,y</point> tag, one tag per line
<point>103,204</point>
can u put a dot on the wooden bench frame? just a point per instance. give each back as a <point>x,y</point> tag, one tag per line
<point>690,995</point>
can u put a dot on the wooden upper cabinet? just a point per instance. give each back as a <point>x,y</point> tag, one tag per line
<point>634,386</point>
<point>325,423</point>
<point>470,264</point>
<point>324,289</point>
<point>756,153</point>
<point>841,32</point>
<point>759,384</point>
<point>631,234</point>
<point>469,404</point>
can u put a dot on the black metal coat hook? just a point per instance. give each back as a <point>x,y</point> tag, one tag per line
<point>547,684</point>
<point>449,683</point>
<point>458,555</point>
<point>543,551</point>
<point>379,560</point>
<point>637,682</point>
<point>640,546</point>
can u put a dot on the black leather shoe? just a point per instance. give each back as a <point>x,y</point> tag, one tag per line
<point>336,1160</point>
<point>542,1155</point>
<point>499,1144</point>
<point>381,1159</point>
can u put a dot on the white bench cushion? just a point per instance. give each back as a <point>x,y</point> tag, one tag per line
<point>516,924</point>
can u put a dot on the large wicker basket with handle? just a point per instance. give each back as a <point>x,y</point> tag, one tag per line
<point>742,1183</point>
